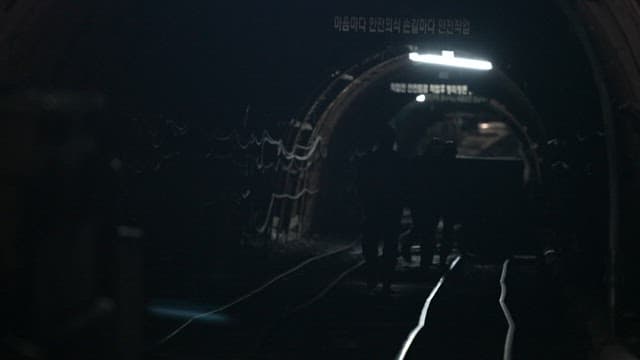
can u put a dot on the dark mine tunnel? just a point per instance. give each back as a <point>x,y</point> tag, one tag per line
<point>346,179</point>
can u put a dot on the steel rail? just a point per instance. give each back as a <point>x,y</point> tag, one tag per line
<point>423,314</point>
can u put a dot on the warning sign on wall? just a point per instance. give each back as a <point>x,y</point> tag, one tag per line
<point>402,25</point>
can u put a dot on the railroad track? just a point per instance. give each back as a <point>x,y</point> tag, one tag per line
<point>498,311</point>
<point>465,316</point>
<point>320,309</point>
<point>330,337</point>
<point>346,323</point>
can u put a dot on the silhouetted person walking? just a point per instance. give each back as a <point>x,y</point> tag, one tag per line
<point>380,185</point>
<point>445,197</point>
<point>421,201</point>
<point>431,199</point>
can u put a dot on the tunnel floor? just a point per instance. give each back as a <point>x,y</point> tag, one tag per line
<point>325,311</point>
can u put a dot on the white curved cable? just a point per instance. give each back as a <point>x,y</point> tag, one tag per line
<point>274,197</point>
<point>328,288</point>
<point>253,292</point>
<point>266,138</point>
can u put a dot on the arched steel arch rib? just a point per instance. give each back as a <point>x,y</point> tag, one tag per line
<point>324,115</point>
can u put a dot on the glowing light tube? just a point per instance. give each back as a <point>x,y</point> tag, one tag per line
<point>448,58</point>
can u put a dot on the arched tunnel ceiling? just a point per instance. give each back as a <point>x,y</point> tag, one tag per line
<point>55,44</point>
<point>176,58</point>
<point>308,48</point>
<point>494,85</point>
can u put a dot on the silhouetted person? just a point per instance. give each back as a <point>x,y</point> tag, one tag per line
<point>445,196</point>
<point>431,199</point>
<point>379,186</point>
<point>420,199</point>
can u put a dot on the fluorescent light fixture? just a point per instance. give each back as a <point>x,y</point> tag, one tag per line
<point>448,58</point>
<point>421,98</point>
<point>483,126</point>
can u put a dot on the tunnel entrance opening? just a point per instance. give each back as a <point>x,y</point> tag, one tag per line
<point>389,88</point>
